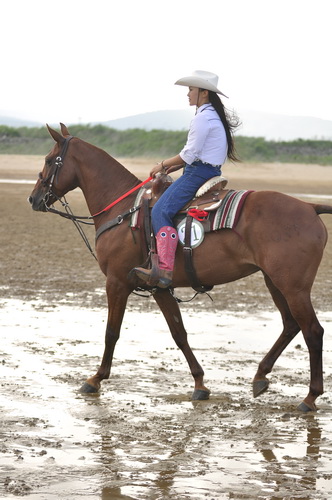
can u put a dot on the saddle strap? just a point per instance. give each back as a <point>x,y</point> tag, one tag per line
<point>148,241</point>
<point>188,261</point>
<point>147,226</point>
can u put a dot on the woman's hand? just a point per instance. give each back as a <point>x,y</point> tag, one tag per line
<point>157,169</point>
<point>167,166</point>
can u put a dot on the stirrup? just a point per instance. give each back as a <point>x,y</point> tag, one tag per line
<point>146,276</point>
<point>165,279</point>
<point>154,277</point>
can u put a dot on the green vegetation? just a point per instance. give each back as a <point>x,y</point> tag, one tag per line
<point>161,143</point>
<point>299,151</point>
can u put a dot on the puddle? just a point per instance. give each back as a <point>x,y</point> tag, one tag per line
<point>142,437</point>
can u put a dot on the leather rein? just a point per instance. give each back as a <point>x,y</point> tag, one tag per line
<point>68,214</point>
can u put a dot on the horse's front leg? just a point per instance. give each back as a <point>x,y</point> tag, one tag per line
<point>117,296</point>
<point>170,309</point>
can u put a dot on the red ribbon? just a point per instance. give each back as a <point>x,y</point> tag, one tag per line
<point>197,214</point>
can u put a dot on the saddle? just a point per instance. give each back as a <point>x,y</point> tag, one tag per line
<point>207,200</point>
<point>212,208</point>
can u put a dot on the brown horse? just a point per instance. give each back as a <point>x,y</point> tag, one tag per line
<point>276,234</point>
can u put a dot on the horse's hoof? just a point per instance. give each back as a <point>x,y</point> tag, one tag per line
<point>305,408</point>
<point>200,395</point>
<point>259,386</point>
<point>88,389</point>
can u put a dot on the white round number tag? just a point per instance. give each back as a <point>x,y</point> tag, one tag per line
<point>197,232</point>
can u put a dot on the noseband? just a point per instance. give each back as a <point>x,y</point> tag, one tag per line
<point>49,180</point>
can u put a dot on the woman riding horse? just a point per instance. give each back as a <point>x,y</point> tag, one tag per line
<point>210,143</point>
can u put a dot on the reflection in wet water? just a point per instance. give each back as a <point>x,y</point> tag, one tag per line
<point>143,438</point>
<point>284,469</point>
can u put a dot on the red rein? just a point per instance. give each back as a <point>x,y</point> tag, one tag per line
<point>123,196</point>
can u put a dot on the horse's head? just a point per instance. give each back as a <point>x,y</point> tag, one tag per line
<point>55,180</point>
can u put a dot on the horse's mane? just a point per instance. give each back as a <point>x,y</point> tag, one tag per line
<point>105,160</point>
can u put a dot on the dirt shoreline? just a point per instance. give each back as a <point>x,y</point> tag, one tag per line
<point>143,438</point>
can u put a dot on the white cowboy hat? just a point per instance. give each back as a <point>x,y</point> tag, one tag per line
<point>201,79</point>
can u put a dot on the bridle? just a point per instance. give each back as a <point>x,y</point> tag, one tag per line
<point>68,214</point>
<point>49,180</point>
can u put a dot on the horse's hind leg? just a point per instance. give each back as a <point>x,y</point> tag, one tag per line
<point>312,330</point>
<point>297,314</point>
<point>290,330</point>
<point>170,309</point>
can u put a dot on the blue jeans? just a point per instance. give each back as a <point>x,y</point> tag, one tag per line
<point>180,192</point>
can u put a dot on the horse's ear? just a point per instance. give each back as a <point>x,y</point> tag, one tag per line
<point>56,136</point>
<point>64,129</point>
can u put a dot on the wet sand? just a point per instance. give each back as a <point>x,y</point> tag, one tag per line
<point>142,437</point>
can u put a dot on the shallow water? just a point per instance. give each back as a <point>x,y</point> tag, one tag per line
<point>142,437</point>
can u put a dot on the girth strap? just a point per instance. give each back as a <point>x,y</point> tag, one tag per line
<point>114,222</point>
<point>188,262</point>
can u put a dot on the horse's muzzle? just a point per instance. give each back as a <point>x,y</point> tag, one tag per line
<point>37,203</point>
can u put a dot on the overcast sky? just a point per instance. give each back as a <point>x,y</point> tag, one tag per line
<point>80,60</point>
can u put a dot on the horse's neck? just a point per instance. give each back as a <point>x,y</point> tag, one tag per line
<point>103,179</point>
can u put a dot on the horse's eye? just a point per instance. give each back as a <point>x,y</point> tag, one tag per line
<point>48,162</point>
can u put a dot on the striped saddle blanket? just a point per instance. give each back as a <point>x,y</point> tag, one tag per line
<point>229,211</point>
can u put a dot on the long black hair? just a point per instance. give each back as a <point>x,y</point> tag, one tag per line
<point>230,123</point>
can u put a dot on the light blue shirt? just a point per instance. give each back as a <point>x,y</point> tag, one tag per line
<point>206,138</point>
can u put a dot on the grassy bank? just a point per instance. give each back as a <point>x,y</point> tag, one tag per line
<point>160,143</point>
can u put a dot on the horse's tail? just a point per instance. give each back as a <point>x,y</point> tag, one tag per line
<point>322,209</point>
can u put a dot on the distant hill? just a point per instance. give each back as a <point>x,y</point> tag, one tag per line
<point>283,127</point>
<point>164,120</point>
<point>254,124</point>
<point>16,122</point>
<point>271,126</point>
